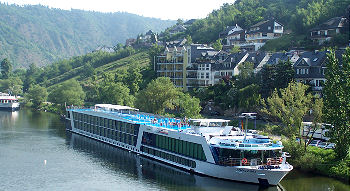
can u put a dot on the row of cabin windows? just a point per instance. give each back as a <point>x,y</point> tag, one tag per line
<point>107,123</point>
<point>170,157</point>
<point>185,148</point>
<point>108,133</point>
<point>8,101</point>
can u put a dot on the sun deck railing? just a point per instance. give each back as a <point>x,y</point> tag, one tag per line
<point>227,161</point>
<point>143,118</point>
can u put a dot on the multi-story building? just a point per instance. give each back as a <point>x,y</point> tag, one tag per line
<point>254,38</point>
<point>311,67</point>
<point>325,31</point>
<point>173,64</point>
<point>233,35</point>
<point>257,35</point>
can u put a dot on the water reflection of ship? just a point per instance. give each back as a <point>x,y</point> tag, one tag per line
<point>143,168</point>
<point>8,117</point>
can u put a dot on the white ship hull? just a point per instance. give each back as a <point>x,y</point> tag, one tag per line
<point>239,173</point>
<point>9,106</point>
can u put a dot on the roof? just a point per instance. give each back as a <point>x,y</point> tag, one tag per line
<point>178,28</point>
<point>280,56</point>
<point>209,120</point>
<point>150,32</point>
<point>176,43</point>
<point>256,58</point>
<point>263,26</point>
<point>315,58</point>
<point>197,51</point>
<point>234,59</point>
<point>336,22</point>
<point>229,28</point>
<point>313,61</point>
<point>115,107</point>
<point>190,22</point>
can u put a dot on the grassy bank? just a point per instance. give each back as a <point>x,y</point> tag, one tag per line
<point>318,160</point>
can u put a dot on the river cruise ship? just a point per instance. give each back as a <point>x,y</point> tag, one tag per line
<point>205,146</point>
<point>8,102</point>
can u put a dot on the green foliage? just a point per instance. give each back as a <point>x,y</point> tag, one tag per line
<point>189,106</point>
<point>235,49</point>
<point>315,159</point>
<point>38,34</point>
<point>31,76</point>
<point>246,74</point>
<point>69,92</point>
<point>12,85</point>
<point>288,105</point>
<point>275,77</point>
<point>293,147</point>
<point>189,40</point>
<point>6,68</point>
<point>159,95</point>
<point>133,79</point>
<point>88,70</point>
<point>249,97</point>
<point>217,45</point>
<point>36,95</point>
<point>116,93</point>
<point>337,101</point>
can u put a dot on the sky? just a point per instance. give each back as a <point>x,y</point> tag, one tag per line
<point>170,9</point>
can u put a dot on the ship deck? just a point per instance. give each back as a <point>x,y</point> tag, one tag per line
<point>144,119</point>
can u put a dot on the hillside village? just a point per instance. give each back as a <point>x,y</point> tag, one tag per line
<point>192,65</point>
<point>205,68</point>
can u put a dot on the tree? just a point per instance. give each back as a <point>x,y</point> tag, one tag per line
<point>179,22</point>
<point>160,94</point>
<point>6,68</point>
<point>189,106</point>
<point>69,92</point>
<point>317,107</point>
<point>289,106</point>
<point>337,101</point>
<point>116,93</point>
<point>217,45</point>
<point>37,95</point>
<point>31,75</point>
<point>275,77</point>
<point>12,85</point>
<point>153,52</point>
<point>249,97</point>
<point>188,40</point>
<point>246,74</point>
<point>88,70</point>
<point>133,79</point>
<point>235,49</point>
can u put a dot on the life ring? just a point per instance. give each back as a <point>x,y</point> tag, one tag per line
<point>244,161</point>
<point>281,159</point>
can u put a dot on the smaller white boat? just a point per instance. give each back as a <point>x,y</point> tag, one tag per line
<point>8,102</point>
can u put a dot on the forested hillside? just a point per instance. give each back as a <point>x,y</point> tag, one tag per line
<point>41,35</point>
<point>298,16</point>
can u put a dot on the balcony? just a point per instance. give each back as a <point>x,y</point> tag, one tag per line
<point>316,88</point>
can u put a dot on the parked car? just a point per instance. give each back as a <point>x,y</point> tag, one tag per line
<point>315,143</point>
<point>322,145</point>
<point>330,146</point>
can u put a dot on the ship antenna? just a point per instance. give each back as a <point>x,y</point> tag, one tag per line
<point>246,127</point>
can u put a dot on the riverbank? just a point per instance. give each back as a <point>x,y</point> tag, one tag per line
<point>318,160</point>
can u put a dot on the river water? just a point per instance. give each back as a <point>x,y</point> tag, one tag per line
<point>36,153</point>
